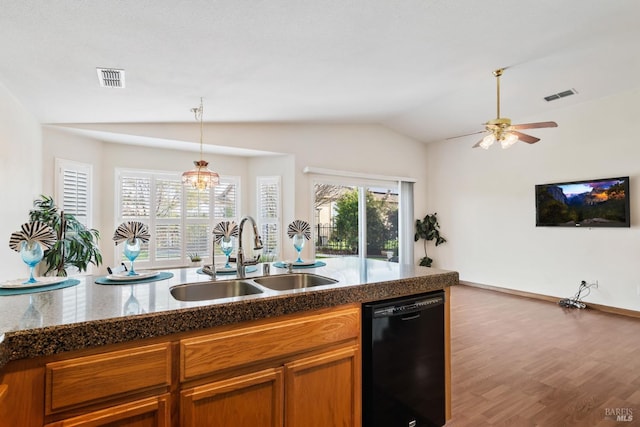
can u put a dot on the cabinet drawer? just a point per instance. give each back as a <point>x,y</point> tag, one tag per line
<point>88,379</point>
<point>152,411</point>
<point>204,355</point>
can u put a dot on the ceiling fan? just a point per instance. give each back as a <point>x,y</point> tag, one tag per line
<point>500,129</point>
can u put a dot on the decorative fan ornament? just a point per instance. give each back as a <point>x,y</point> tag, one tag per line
<point>299,227</point>
<point>131,230</point>
<point>225,229</point>
<point>35,231</point>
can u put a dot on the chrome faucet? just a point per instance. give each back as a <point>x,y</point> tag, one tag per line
<point>241,261</point>
<point>210,270</point>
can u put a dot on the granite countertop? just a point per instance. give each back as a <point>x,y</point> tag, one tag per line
<point>91,314</point>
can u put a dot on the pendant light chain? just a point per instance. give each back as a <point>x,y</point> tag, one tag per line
<point>199,113</point>
<point>201,177</point>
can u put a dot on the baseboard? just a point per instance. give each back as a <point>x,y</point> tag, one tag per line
<point>549,298</point>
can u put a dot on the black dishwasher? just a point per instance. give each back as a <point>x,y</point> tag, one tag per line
<point>403,362</point>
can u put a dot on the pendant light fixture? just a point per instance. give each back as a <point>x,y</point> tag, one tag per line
<point>201,177</point>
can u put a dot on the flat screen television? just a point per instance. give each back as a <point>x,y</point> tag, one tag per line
<point>589,203</point>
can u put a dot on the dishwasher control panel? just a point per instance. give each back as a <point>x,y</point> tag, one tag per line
<point>416,305</point>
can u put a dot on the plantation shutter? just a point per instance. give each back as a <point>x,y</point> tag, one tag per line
<point>268,192</point>
<point>73,188</point>
<point>198,226</point>
<point>135,197</point>
<point>180,218</point>
<point>168,203</point>
<point>135,205</point>
<point>226,203</point>
<point>226,200</point>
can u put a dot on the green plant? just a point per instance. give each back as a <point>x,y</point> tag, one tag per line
<point>194,257</point>
<point>76,247</point>
<point>428,229</point>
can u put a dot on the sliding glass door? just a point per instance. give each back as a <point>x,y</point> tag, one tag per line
<point>356,220</point>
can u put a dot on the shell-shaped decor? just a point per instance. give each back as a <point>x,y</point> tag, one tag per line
<point>299,227</point>
<point>225,229</point>
<point>130,230</point>
<point>35,231</point>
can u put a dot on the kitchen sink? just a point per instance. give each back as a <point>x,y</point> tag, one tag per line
<point>201,291</point>
<point>286,282</point>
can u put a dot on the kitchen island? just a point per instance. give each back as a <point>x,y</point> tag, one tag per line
<point>170,342</point>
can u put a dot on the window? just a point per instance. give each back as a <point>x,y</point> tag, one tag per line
<point>180,218</point>
<point>226,204</point>
<point>73,189</point>
<point>269,221</point>
<point>359,214</point>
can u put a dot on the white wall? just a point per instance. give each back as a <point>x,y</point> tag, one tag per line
<point>352,147</point>
<point>359,148</point>
<point>486,206</point>
<point>63,145</point>
<point>20,176</point>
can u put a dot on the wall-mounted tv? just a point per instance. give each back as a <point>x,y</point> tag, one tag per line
<point>589,203</point>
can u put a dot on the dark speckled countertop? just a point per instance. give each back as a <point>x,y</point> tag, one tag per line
<point>90,314</point>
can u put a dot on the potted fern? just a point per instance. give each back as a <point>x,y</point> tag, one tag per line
<point>428,229</point>
<point>77,246</point>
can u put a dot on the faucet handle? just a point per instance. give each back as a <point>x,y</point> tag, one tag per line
<point>258,243</point>
<point>289,266</point>
<point>209,270</point>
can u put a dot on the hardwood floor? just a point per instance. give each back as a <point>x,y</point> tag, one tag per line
<point>522,362</point>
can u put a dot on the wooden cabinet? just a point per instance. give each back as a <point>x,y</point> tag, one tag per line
<point>255,399</point>
<point>324,390</point>
<point>296,370</point>
<point>150,412</point>
<point>101,377</point>
<point>299,371</point>
<point>317,391</point>
<point>253,344</point>
<point>121,387</point>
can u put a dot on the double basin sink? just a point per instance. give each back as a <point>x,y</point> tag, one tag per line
<point>202,291</point>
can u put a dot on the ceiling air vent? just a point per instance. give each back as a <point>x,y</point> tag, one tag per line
<point>111,77</point>
<point>560,95</point>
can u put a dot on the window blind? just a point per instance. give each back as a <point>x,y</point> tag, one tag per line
<point>73,187</point>
<point>180,218</point>
<point>269,216</point>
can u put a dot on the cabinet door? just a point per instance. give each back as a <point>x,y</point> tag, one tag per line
<point>324,390</point>
<point>250,400</point>
<point>151,412</point>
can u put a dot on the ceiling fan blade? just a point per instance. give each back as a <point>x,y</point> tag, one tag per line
<point>466,134</point>
<point>525,138</point>
<point>477,144</point>
<point>535,125</point>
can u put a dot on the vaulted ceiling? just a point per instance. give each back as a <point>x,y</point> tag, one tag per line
<point>421,67</point>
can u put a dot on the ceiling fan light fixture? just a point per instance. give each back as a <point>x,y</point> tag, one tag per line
<point>487,141</point>
<point>500,129</point>
<point>508,140</point>
<point>201,177</point>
